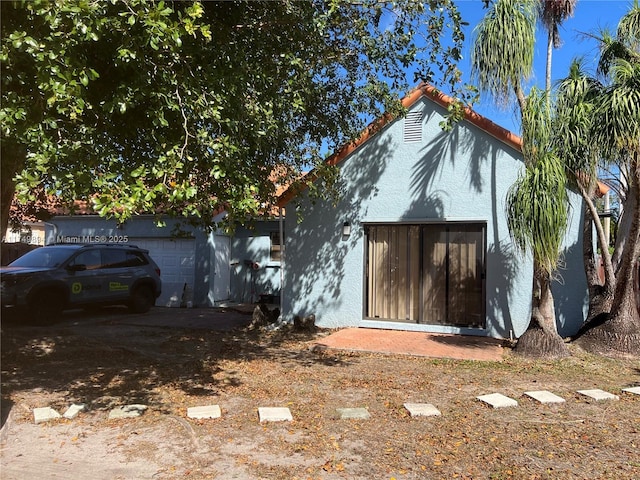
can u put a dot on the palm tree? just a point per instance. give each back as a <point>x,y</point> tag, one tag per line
<point>537,215</point>
<point>502,59</point>
<point>599,123</point>
<point>616,132</point>
<point>502,52</point>
<point>552,14</point>
<point>573,124</point>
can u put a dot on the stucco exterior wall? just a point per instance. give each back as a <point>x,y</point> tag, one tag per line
<point>462,175</point>
<point>253,246</point>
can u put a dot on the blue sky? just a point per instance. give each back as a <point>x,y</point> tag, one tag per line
<point>590,16</point>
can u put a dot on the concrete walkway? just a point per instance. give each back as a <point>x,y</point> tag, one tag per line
<point>459,347</point>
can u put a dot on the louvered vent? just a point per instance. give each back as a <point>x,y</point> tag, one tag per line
<point>413,127</point>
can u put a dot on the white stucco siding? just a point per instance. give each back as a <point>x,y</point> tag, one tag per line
<point>458,176</point>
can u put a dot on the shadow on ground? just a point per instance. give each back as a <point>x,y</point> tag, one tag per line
<point>111,357</point>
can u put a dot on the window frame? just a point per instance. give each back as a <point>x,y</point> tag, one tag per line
<point>477,226</point>
<point>275,248</point>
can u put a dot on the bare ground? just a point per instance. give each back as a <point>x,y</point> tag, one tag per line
<point>112,360</point>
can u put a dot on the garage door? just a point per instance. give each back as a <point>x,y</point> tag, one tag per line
<point>176,259</point>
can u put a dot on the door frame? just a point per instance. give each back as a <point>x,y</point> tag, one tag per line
<point>482,224</point>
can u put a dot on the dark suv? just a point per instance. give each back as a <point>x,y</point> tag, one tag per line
<point>52,278</point>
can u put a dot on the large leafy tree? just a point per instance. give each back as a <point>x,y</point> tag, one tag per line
<point>502,62</point>
<point>186,108</point>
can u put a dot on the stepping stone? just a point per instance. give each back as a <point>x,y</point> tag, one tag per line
<point>422,410</point>
<point>127,411</point>
<point>207,411</point>
<point>73,411</point>
<point>353,413</point>
<point>597,394</point>
<point>635,390</point>
<point>545,397</point>
<point>274,414</point>
<point>44,414</point>
<point>497,400</point>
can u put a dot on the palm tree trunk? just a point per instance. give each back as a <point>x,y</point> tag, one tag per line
<point>619,334</point>
<point>541,339</point>
<point>601,295</point>
<point>549,57</point>
<point>624,225</point>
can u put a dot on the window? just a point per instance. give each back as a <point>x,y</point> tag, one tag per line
<point>89,258</point>
<point>431,274</point>
<point>275,251</point>
<point>120,258</point>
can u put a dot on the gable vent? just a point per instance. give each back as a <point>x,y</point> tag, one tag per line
<point>413,127</point>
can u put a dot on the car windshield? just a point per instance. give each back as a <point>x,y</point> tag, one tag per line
<point>43,257</point>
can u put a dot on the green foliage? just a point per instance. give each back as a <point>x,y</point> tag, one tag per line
<point>186,107</point>
<point>502,54</point>
<point>537,203</point>
<point>573,121</point>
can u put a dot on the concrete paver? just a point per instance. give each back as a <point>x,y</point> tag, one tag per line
<point>73,411</point>
<point>497,400</point>
<point>422,410</point>
<point>274,414</point>
<point>44,414</point>
<point>598,394</point>
<point>353,413</point>
<point>127,411</point>
<point>544,396</point>
<point>635,390</point>
<point>206,411</point>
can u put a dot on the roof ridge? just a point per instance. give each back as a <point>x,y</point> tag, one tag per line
<point>422,90</point>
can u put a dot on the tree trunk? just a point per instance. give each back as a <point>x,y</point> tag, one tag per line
<point>541,340</point>
<point>600,294</point>
<point>624,225</point>
<point>619,333</point>
<point>548,67</point>
<point>13,156</point>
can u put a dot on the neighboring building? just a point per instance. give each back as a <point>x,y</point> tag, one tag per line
<point>197,268</point>
<point>31,233</point>
<point>419,240</point>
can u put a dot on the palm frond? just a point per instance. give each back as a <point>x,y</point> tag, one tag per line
<point>503,47</point>
<point>553,13</point>
<point>537,211</point>
<point>629,28</point>
<point>617,113</point>
<point>573,121</point>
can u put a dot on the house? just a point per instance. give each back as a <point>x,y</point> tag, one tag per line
<point>198,268</point>
<point>419,240</point>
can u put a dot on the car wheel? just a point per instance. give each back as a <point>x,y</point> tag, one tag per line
<point>141,299</point>
<point>46,307</point>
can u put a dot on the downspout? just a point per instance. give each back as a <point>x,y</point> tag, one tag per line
<point>282,254</point>
<point>55,232</point>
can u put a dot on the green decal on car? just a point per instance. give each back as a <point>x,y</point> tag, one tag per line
<point>76,288</point>
<point>118,287</point>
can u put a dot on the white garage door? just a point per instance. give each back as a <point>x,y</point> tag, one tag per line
<point>176,259</point>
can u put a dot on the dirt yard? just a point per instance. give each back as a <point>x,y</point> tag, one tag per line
<point>112,359</point>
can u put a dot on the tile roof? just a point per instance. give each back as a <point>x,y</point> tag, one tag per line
<point>422,90</point>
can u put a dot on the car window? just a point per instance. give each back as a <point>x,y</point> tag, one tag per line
<point>91,259</point>
<point>115,258</point>
<point>43,257</point>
